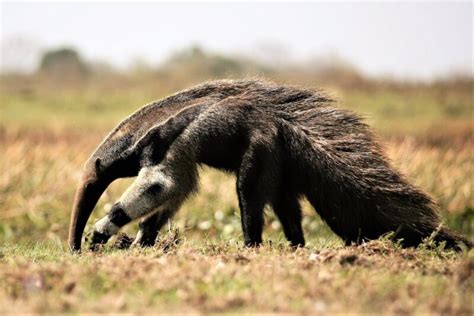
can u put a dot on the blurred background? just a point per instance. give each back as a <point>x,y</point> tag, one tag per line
<point>69,72</point>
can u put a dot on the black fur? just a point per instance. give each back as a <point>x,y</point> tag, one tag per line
<point>118,216</point>
<point>149,228</point>
<point>98,239</point>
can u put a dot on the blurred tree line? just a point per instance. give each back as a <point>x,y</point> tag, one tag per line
<point>194,64</point>
<point>66,67</point>
<point>63,63</point>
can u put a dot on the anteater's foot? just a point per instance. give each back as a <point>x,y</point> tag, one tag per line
<point>96,239</point>
<point>253,243</point>
<point>297,244</point>
<point>144,239</point>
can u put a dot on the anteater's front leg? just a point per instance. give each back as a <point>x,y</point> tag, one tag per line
<point>150,226</point>
<point>256,182</point>
<point>147,231</point>
<point>109,225</point>
<point>118,216</point>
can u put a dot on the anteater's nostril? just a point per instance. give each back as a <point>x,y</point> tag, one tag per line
<point>118,216</point>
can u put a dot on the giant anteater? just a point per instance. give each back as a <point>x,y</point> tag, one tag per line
<point>282,142</point>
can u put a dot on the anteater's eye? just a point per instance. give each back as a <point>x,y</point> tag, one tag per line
<point>154,189</point>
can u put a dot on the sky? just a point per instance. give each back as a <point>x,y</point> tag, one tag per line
<point>419,40</point>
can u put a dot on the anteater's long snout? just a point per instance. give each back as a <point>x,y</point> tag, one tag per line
<point>87,194</point>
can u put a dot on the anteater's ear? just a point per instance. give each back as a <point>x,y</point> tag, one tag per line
<point>165,133</point>
<point>152,136</point>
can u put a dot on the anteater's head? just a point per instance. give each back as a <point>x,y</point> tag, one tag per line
<point>106,164</point>
<point>120,155</point>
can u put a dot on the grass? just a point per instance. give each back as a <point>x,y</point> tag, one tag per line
<point>221,275</point>
<point>47,134</point>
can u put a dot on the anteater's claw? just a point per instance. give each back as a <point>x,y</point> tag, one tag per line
<point>96,239</point>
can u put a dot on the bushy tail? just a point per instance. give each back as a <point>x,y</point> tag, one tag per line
<point>351,184</point>
<point>451,239</point>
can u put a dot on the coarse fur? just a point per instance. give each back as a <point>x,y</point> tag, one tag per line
<point>283,143</point>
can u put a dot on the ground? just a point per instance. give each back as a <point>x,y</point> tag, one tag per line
<point>199,263</point>
<point>204,276</point>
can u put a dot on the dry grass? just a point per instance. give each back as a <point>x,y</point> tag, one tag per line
<point>222,276</point>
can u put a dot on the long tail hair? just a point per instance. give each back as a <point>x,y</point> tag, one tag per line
<point>351,184</point>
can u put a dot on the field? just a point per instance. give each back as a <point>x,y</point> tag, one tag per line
<point>48,129</point>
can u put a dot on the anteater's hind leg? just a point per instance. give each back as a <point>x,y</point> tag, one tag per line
<point>251,205</point>
<point>287,208</point>
<point>150,226</point>
<point>256,183</point>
